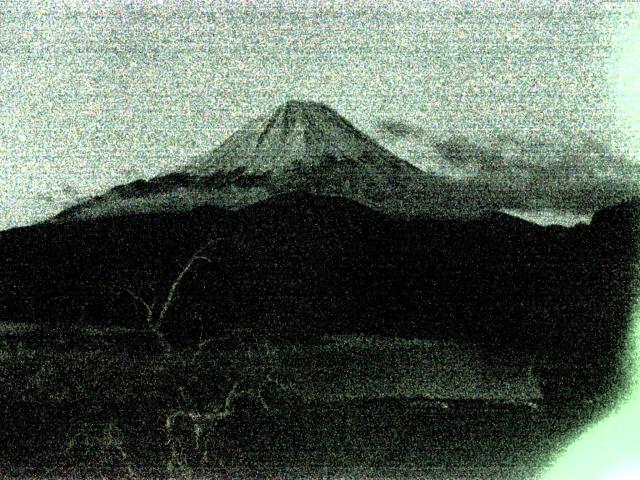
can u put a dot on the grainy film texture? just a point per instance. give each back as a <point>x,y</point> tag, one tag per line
<point>318,239</point>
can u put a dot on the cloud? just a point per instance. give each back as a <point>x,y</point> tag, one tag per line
<point>521,170</point>
<point>398,129</point>
<point>580,174</point>
<point>64,193</point>
<point>461,152</point>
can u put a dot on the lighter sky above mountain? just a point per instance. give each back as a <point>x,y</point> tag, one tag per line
<point>95,94</point>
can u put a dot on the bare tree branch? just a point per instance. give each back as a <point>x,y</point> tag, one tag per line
<point>114,438</point>
<point>155,317</point>
<point>171,296</point>
<point>153,325</point>
<point>139,299</point>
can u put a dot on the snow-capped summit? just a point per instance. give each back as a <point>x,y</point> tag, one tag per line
<point>303,146</point>
<point>297,134</point>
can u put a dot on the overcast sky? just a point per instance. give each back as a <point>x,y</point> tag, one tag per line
<point>527,99</point>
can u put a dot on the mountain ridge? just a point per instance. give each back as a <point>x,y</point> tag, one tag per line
<point>303,146</point>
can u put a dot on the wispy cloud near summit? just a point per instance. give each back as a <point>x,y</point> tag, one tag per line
<point>579,173</point>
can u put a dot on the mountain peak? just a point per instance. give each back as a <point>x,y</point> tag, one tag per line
<point>303,146</point>
<point>297,115</point>
<point>299,134</point>
<point>310,112</point>
<point>306,106</point>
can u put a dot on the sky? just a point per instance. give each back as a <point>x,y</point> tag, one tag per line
<point>536,100</point>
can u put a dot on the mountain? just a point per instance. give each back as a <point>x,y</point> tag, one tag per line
<point>303,147</point>
<point>318,230</point>
<point>300,135</point>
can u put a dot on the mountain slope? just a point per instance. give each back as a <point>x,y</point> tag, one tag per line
<point>302,146</point>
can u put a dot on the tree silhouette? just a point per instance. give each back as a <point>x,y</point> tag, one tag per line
<point>158,307</point>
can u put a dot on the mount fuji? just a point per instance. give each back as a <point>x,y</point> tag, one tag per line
<point>304,221</point>
<point>303,146</point>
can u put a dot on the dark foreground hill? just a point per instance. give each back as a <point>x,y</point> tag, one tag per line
<point>299,264</point>
<point>544,309</point>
